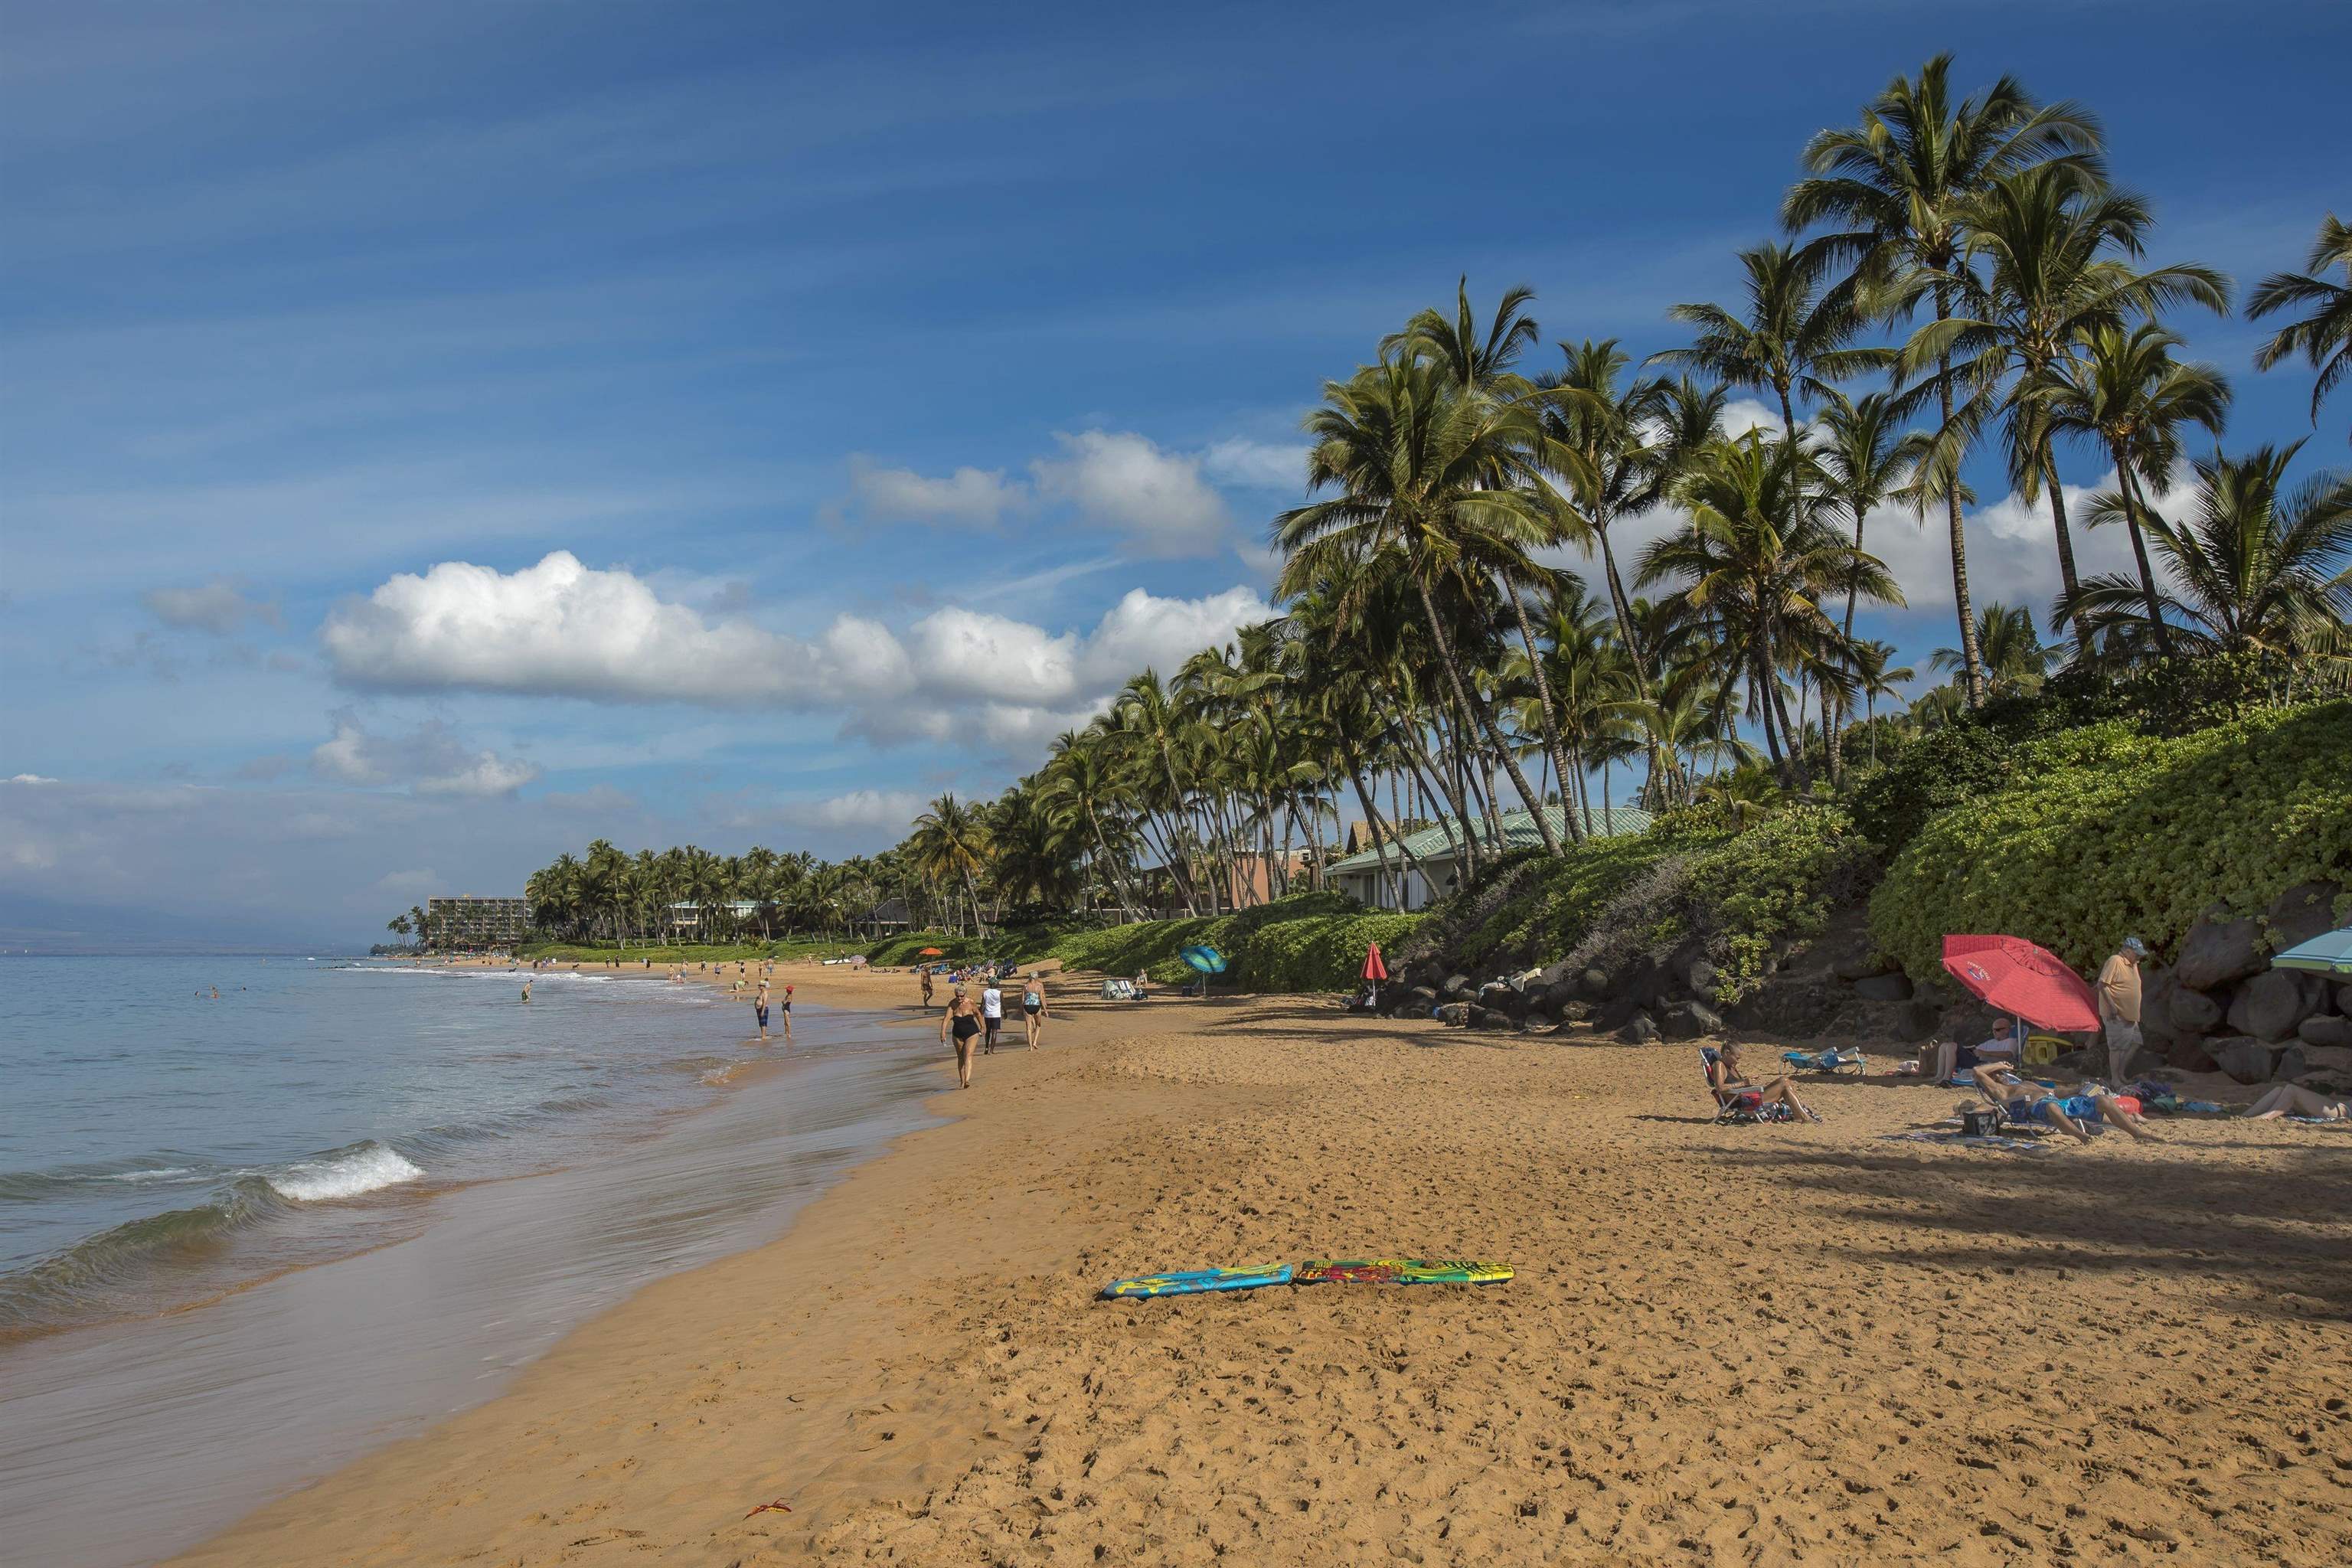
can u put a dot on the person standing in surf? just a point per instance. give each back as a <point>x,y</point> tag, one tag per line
<point>526,990</point>
<point>964,1025</point>
<point>759,1010</point>
<point>1033,1006</point>
<point>785,1009</point>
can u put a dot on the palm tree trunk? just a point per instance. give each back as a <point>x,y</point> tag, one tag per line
<point>1972,659</point>
<point>1543,708</point>
<point>2128,484</point>
<point>2065,549</point>
<point>1485,721</point>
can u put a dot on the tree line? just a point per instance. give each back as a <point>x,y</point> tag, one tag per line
<point>1958,275</point>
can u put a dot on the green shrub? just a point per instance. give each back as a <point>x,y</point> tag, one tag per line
<point>1779,880</point>
<point>2103,831</point>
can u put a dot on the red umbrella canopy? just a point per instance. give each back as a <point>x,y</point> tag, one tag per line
<point>2016,976</point>
<point>1373,968</point>
<point>930,953</point>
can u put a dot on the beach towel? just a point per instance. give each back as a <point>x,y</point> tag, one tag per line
<point>2320,1120</point>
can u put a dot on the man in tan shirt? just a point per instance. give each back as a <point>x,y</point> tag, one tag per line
<point>2119,1004</point>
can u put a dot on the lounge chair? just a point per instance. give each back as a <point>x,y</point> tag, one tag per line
<point>1728,1106</point>
<point>1844,1058</point>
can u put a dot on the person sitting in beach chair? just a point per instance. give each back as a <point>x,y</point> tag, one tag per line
<point>2031,1104</point>
<point>1738,1098</point>
<point>1941,1061</point>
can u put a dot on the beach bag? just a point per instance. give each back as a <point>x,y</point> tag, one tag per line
<point>1977,1123</point>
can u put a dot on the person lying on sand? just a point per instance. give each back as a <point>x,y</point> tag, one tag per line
<point>2290,1099</point>
<point>2029,1101</point>
<point>1723,1075</point>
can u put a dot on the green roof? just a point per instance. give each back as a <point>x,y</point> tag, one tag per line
<point>1518,832</point>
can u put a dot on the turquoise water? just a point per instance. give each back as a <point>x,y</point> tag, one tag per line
<point>242,1241</point>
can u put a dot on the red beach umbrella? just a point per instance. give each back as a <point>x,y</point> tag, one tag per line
<point>930,953</point>
<point>1373,968</point>
<point>2016,976</point>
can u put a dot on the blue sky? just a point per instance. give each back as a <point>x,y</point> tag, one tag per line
<point>434,435</point>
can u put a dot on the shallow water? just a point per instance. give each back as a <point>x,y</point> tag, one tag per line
<point>351,1302</point>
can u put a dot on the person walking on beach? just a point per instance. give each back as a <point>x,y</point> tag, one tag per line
<point>926,972</point>
<point>1033,1005</point>
<point>2119,1006</point>
<point>760,1009</point>
<point>991,1014</point>
<point>959,1021</point>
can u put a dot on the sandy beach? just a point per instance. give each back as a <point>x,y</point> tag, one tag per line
<point>1739,1345</point>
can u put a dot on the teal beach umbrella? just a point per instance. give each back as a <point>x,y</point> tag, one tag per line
<point>1207,960</point>
<point>2329,952</point>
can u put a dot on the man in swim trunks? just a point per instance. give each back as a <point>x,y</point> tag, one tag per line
<point>760,1009</point>
<point>2074,1113</point>
<point>1033,1005</point>
<point>991,1014</point>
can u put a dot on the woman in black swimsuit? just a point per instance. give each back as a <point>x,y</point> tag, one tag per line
<point>964,1024</point>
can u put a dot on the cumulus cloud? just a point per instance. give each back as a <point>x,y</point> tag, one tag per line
<point>430,761</point>
<point>32,779</point>
<point>218,606</point>
<point>1256,464</point>
<point>1118,480</point>
<point>889,809</point>
<point>556,628</point>
<point>560,629</point>
<point>969,498</point>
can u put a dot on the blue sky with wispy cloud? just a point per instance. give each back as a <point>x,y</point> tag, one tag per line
<point>438,434</point>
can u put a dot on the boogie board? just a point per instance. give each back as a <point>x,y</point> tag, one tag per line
<point>1401,1271</point>
<point>1192,1281</point>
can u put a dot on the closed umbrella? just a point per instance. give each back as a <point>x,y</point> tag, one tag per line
<point>1375,971</point>
<point>2019,977</point>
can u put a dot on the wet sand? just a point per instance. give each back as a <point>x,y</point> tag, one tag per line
<point>1759,1345</point>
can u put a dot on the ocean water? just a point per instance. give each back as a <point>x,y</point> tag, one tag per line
<point>243,1240</point>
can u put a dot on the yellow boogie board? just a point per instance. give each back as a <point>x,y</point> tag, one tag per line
<point>1399,1271</point>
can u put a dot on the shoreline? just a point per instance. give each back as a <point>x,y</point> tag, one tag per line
<point>262,1387</point>
<point>1725,1344</point>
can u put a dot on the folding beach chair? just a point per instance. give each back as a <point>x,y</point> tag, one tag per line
<point>1844,1058</point>
<point>1729,1104</point>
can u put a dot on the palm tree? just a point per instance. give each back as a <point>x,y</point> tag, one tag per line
<point>2014,657</point>
<point>2044,236</point>
<point>1866,459</point>
<point>2324,336</point>
<point>951,842</point>
<point>1435,485</point>
<point>1754,563</point>
<point>1874,672</point>
<point>2125,391</point>
<point>1897,184</point>
<point>2257,569</point>
<point>1475,364</point>
<point>1792,338</point>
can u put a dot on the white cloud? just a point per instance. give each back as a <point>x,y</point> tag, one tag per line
<point>1742,415</point>
<point>1257,465</point>
<point>31,779</point>
<point>956,675</point>
<point>557,628</point>
<point>890,808</point>
<point>969,498</point>
<point>218,606</point>
<point>431,761</point>
<point>1122,481</point>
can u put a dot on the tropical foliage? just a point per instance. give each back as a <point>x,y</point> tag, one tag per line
<point>1462,629</point>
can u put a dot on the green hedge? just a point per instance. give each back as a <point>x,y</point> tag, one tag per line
<point>2103,831</point>
<point>1777,880</point>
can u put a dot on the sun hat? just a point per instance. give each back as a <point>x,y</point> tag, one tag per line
<point>2136,947</point>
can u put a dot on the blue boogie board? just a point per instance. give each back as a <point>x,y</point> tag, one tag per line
<point>1194,1281</point>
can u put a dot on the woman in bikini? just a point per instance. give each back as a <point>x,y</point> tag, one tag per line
<point>1033,1005</point>
<point>964,1024</point>
<point>1723,1075</point>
